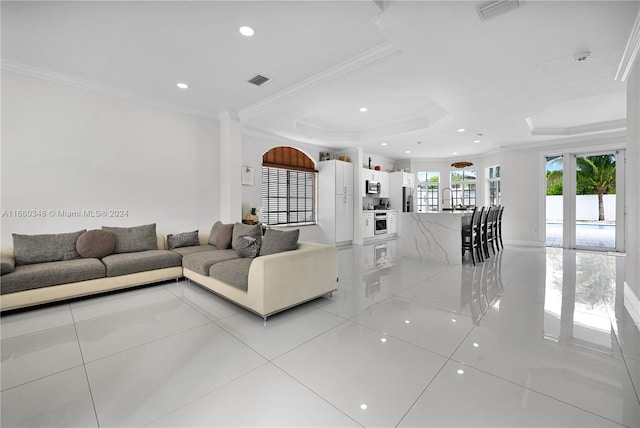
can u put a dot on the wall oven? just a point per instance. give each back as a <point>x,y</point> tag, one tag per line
<point>381,223</point>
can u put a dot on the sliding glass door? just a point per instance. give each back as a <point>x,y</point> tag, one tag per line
<point>583,209</point>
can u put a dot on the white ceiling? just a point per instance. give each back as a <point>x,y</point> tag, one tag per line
<point>422,68</point>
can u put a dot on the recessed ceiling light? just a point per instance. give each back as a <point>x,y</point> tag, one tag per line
<point>476,141</point>
<point>182,85</point>
<point>384,144</point>
<point>246,31</point>
<point>363,406</point>
<point>407,151</point>
<point>454,153</point>
<point>363,109</point>
<point>461,130</point>
<point>460,371</point>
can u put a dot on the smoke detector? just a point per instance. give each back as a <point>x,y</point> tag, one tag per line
<point>582,56</point>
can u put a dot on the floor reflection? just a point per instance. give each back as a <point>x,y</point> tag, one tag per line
<point>579,287</point>
<point>481,286</point>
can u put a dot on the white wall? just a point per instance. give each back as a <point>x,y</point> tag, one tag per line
<point>65,148</point>
<point>633,183</point>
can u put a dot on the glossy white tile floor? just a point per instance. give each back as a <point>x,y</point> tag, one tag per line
<point>531,337</point>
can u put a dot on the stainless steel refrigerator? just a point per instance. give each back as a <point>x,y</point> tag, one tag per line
<point>407,200</point>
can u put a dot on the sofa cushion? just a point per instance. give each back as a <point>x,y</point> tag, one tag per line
<point>30,249</point>
<point>185,239</point>
<point>248,246</point>
<point>239,229</point>
<point>95,244</point>
<point>201,262</point>
<point>233,272</point>
<point>141,261</point>
<point>7,265</point>
<point>278,241</point>
<point>183,251</point>
<point>38,275</point>
<point>132,239</point>
<point>215,229</point>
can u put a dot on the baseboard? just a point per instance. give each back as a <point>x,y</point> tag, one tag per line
<point>631,303</point>
<point>524,243</point>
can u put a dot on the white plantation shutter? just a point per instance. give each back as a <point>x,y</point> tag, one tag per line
<point>288,196</point>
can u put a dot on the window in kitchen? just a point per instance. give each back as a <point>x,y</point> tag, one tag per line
<point>494,185</point>
<point>428,191</point>
<point>463,188</point>
<point>288,187</point>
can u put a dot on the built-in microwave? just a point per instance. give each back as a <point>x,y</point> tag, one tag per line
<point>373,187</point>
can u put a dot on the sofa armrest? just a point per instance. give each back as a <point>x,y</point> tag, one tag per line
<point>285,279</point>
<point>7,262</point>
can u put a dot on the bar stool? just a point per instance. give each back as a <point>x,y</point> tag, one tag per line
<point>470,233</point>
<point>499,227</point>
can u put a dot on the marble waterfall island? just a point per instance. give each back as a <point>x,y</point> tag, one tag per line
<point>433,236</point>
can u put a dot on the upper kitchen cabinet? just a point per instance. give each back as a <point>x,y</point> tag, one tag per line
<point>344,178</point>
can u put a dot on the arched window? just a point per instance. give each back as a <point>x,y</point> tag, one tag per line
<point>288,187</point>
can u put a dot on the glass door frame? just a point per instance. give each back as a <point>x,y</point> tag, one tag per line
<point>569,198</point>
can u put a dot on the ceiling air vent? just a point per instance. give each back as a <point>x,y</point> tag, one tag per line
<point>494,8</point>
<point>259,80</point>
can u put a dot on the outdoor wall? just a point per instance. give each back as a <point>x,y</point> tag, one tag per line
<point>68,153</point>
<point>587,208</point>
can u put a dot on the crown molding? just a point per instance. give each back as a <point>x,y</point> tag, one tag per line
<point>64,79</point>
<point>608,126</point>
<point>228,114</point>
<point>616,138</point>
<point>630,52</point>
<point>370,56</point>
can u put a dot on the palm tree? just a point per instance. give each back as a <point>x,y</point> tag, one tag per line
<point>596,174</point>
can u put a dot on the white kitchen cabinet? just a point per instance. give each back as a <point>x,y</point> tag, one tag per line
<point>383,178</point>
<point>335,201</point>
<point>344,178</point>
<point>344,218</point>
<point>392,222</point>
<point>368,225</point>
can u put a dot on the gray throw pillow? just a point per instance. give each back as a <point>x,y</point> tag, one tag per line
<point>248,246</point>
<point>132,239</point>
<point>218,227</point>
<point>95,244</point>
<point>278,241</point>
<point>185,239</point>
<point>240,229</point>
<point>30,249</point>
<point>225,234</point>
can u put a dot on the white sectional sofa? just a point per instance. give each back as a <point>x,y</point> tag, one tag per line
<point>289,273</point>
